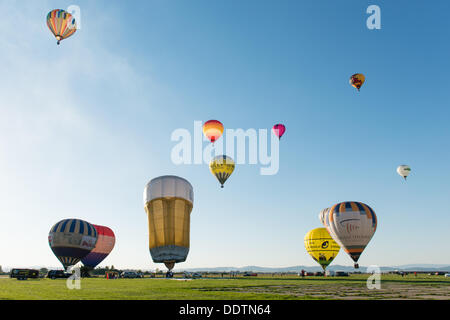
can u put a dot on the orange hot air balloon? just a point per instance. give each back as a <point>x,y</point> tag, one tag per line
<point>357,80</point>
<point>213,130</point>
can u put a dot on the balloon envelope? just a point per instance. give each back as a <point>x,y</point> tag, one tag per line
<point>168,201</point>
<point>323,214</point>
<point>404,171</point>
<point>351,224</point>
<point>61,23</point>
<point>222,167</point>
<point>279,130</point>
<point>71,240</point>
<point>213,130</point>
<point>321,246</point>
<point>105,243</point>
<point>357,80</point>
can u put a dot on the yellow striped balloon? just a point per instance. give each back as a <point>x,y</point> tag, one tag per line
<point>222,167</point>
<point>61,23</point>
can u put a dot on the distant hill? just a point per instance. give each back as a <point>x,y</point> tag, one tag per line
<point>416,267</point>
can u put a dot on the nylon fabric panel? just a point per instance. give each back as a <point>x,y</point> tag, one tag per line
<point>352,229</point>
<point>169,222</point>
<point>321,246</point>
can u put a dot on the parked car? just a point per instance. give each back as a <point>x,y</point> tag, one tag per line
<point>250,274</point>
<point>439,273</point>
<point>341,274</point>
<point>58,274</point>
<point>447,275</point>
<point>23,274</point>
<point>130,275</point>
<point>309,273</point>
<point>196,275</point>
<point>318,274</point>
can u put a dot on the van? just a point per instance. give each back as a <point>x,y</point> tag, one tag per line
<point>23,274</point>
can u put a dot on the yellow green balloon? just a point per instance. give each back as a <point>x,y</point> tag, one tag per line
<point>321,246</point>
<point>222,167</point>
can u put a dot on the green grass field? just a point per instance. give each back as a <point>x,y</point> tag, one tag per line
<point>261,287</point>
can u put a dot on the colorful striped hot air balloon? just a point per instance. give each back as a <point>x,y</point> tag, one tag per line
<point>71,240</point>
<point>357,80</point>
<point>105,244</point>
<point>222,167</point>
<point>62,24</point>
<point>279,130</point>
<point>352,225</point>
<point>213,130</point>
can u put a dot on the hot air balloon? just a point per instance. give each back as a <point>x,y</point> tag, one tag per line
<point>71,240</point>
<point>321,247</point>
<point>323,214</point>
<point>351,225</point>
<point>279,130</point>
<point>213,130</point>
<point>105,243</point>
<point>404,171</point>
<point>357,80</point>
<point>222,167</point>
<point>62,24</point>
<point>168,201</point>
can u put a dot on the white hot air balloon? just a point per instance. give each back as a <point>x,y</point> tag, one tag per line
<point>351,224</point>
<point>404,170</point>
<point>323,215</point>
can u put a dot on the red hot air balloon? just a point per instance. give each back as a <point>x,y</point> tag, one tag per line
<point>279,130</point>
<point>105,244</point>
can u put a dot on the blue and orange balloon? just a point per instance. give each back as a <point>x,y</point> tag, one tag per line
<point>352,225</point>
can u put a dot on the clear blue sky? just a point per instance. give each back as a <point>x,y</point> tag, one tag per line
<point>85,125</point>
